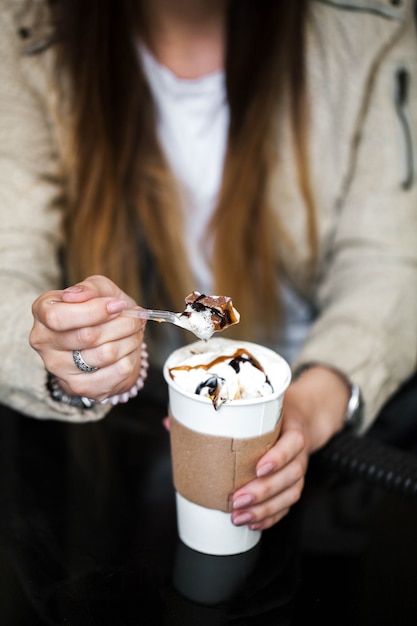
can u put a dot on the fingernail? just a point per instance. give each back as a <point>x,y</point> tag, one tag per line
<point>243,518</point>
<point>241,501</point>
<point>115,306</point>
<point>75,288</point>
<point>264,470</point>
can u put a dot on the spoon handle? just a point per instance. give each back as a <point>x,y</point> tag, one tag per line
<point>152,314</point>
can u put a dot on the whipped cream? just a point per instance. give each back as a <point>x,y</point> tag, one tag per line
<point>231,373</point>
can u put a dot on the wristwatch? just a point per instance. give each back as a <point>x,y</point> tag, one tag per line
<point>355,408</point>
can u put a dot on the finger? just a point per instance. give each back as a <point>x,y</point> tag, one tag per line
<point>273,511</point>
<point>91,337</point>
<point>47,341</point>
<point>288,446</point>
<point>100,346</point>
<point>50,297</point>
<point>93,287</point>
<point>264,489</point>
<point>264,515</point>
<point>61,316</point>
<point>270,521</point>
<point>110,352</point>
<point>106,381</point>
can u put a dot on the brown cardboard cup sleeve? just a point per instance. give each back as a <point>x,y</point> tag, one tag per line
<point>208,469</point>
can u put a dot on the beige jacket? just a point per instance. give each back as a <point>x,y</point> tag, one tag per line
<point>362,60</point>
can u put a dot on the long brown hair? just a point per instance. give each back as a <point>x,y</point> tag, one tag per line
<point>124,217</point>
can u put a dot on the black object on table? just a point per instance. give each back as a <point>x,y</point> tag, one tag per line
<point>88,532</point>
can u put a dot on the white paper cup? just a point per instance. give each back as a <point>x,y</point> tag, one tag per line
<point>205,529</point>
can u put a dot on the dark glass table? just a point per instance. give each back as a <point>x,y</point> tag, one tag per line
<point>88,532</point>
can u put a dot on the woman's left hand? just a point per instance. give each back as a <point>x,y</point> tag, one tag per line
<point>280,479</point>
<point>313,410</point>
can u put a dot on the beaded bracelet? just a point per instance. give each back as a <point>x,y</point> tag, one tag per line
<point>125,397</point>
<point>82,402</point>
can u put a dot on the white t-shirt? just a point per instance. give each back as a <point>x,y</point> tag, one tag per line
<point>193,119</point>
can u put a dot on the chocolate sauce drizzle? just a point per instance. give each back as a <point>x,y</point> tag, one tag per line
<point>221,318</point>
<point>214,383</point>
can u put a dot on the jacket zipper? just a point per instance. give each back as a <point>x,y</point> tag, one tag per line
<point>401,97</point>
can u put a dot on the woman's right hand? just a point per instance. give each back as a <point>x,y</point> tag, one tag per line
<point>86,317</point>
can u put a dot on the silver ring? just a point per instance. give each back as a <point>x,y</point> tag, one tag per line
<point>80,363</point>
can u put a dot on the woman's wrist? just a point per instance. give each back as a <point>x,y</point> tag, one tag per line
<point>83,402</point>
<point>355,411</point>
<point>321,396</point>
<point>58,395</point>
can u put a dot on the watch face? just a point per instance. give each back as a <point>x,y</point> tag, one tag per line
<point>355,412</point>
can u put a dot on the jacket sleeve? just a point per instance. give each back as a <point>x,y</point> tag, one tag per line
<point>367,293</point>
<point>31,207</point>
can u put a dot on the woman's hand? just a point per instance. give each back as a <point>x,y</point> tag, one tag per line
<point>86,317</point>
<point>313,411</point>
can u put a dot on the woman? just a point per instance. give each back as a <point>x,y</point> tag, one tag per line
<point>260,152</point>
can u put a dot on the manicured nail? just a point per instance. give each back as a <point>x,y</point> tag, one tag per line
<point>241,501</point>
<point>264,470</point>
<point>116,306</point>
<point>243,518</point>
<point>75,288</point>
